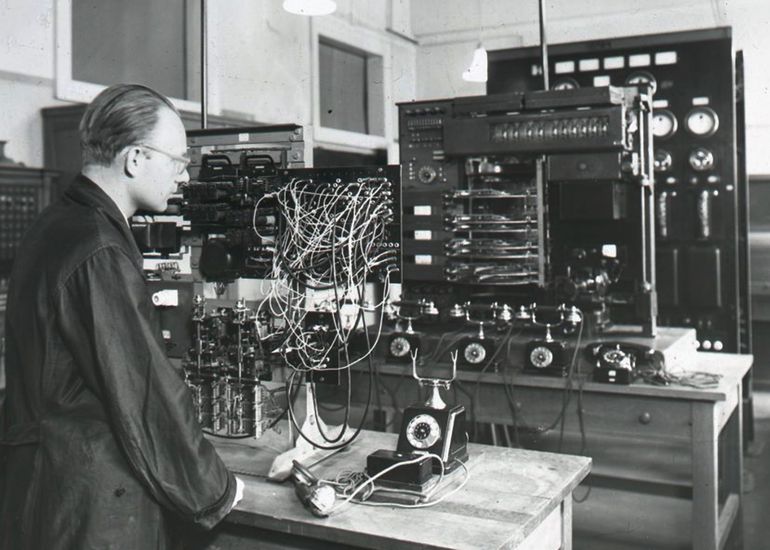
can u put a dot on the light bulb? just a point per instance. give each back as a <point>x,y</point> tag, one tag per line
<point>310,7</point>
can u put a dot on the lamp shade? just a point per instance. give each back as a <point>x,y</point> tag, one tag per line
<point>310,7</point>
<point>477,71</point>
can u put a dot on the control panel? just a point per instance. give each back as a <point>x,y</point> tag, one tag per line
<point>700,202</point>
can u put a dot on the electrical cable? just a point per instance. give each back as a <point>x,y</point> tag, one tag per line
<point>583,439</point>
<point>567,395</point>
<point>331,237</point>
<point>368,483</point>
<point>427,503</point>
<point>488,364</point>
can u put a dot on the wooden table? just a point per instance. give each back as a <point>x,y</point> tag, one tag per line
<point>642,437</point>
<point>514,499</point>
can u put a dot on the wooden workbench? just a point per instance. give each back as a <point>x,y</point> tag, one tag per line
<point>515,499</point>
<point>642,437</point>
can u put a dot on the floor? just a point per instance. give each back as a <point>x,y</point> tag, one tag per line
<point>610,520</point>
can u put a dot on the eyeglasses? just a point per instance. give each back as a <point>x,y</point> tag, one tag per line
<point>183,161</point>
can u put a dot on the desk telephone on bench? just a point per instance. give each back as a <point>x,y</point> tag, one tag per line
<point>432,427</point>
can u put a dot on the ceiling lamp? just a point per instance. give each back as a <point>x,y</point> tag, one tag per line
<point>310,7</point>
<point>477,71</point>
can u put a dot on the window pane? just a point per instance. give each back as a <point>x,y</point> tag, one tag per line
<point>142,41</point>
<point>342,91</point>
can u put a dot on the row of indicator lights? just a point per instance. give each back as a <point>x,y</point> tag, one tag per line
<point>610,63</point>
<point>707,345</point>
<point>713,179</point>
<point>584,127</point>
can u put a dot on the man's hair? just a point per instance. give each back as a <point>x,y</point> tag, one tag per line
<point>121,115</point>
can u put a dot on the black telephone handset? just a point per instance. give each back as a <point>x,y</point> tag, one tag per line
<point>623,362</point>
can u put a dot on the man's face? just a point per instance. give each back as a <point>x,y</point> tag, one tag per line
<point>161,173</point>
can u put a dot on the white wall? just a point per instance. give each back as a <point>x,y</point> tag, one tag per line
<point>260,57</point>
<point>26,76</point>
<point>259,63</point>
<point>454,25</point>
<point>261,66</point>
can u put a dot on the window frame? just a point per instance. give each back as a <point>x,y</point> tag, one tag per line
<point>69,89</point>
<point>337,31</point>
<point>365,80</point>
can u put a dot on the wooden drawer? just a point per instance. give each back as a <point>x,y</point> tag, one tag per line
<point>611,414</point>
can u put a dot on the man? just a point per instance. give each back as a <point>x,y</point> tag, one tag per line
<point>101,446</point>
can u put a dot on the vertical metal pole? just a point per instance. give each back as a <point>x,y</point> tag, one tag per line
<point>650,190</point>
<point>542,163</point>
<point>543,45</point>
<point>204,63</point>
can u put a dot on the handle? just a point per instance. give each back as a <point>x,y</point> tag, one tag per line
<point>215,159</point>
<point>250,160</point>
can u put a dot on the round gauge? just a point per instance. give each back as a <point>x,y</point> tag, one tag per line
<point>400,347</point>
<point>565,84</point>
<point>426,174</point>
<point>664,124</point>
<point>641,78</point>
<point>662,161</point>
<point>541,357</point>
<point>702,122</point>
<point>701,159</point>
<point>423,431</point>
<point>474,353</point>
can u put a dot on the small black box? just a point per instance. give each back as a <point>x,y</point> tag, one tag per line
<point>412,474</point>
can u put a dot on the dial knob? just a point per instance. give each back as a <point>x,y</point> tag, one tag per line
<point>662,160</point>
<point>426,174</point>
<point>701,159</point>
<point>614,357</point>
<point>541,357</point>
<point>474,353</point>
<point>400,347</point>
<point>423,431</point>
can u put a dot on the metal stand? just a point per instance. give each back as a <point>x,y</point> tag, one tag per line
<point>304,451</point>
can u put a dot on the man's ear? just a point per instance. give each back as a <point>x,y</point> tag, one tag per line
<point>133,162</point>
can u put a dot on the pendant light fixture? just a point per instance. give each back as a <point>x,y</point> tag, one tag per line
<point>310,7</point>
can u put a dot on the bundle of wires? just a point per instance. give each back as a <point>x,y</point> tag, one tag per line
<point>332,236</point>
<point>358,487</point>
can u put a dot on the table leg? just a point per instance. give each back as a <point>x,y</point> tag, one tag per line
<point>731,523</point>
<point>566,523</point>
<point>705,504</point>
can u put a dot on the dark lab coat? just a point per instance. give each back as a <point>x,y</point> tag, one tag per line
<point>100,443</point>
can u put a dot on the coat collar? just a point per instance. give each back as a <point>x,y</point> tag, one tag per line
<point>84,191</point>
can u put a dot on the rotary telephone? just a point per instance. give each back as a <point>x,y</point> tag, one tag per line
<point>433,426</point>
<point>549,355</point>
<point>623,362</point>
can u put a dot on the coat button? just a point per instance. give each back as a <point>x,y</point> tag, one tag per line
<point>119,492</point>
